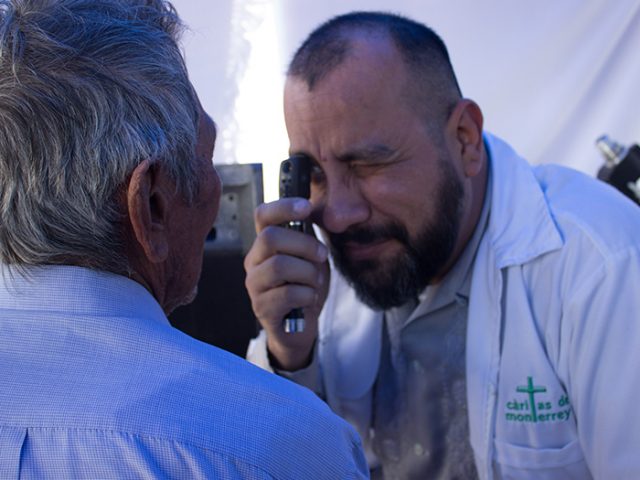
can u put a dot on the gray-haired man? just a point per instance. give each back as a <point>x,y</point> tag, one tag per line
<point>107,191</point>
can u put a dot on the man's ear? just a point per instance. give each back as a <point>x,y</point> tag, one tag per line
<point>465,123</point>
<point>147,204</point>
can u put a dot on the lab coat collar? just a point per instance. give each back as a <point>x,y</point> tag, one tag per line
<point>530,230</point>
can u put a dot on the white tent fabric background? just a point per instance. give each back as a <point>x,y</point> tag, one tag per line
<point>550,76</point>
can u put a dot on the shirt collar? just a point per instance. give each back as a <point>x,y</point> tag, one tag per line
<point>76,291</point>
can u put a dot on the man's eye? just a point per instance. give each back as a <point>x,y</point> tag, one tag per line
<point>366,167</point>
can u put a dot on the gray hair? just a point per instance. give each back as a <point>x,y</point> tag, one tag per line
<point>88,90</point>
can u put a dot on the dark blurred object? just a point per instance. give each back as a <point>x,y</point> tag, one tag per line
<point>622,167</point>
<point>221,313</point>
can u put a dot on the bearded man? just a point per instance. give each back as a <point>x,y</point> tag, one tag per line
<point>472,316</point>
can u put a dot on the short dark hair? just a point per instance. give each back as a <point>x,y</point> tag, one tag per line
<point>433,81</point>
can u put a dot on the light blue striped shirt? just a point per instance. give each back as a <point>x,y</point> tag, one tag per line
<point>95,383</point>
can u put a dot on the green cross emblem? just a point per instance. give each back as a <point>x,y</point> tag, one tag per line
<point>531,390</point>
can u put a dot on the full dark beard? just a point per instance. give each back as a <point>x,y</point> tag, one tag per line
<point>383,284</point>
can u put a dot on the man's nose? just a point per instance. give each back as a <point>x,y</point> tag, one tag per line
<point>342,206</point>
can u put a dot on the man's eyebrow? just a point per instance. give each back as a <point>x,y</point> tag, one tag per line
<point>369,152</point>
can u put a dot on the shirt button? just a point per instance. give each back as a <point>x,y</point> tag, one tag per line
<point>418,450</point>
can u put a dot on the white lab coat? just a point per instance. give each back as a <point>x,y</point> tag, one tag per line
<point>554,315</point>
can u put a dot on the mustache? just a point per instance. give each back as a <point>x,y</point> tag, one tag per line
<point>364,235</point>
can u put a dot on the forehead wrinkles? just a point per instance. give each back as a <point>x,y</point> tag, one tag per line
<point>328,127</point>
<point>339,114</point>
<point>322,125</point>
<point>362,102</point>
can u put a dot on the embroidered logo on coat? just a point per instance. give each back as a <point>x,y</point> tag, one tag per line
<point>537,409</point>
